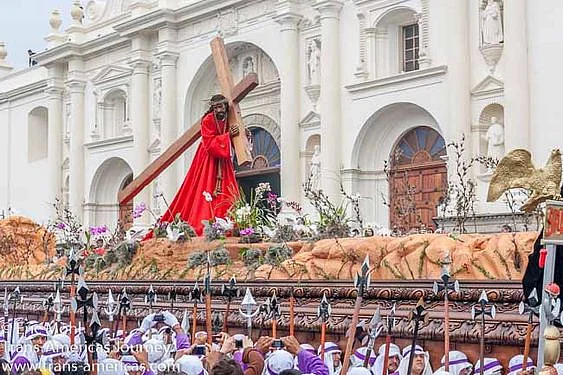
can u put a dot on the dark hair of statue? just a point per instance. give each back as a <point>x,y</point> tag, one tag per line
<point>217,99</point>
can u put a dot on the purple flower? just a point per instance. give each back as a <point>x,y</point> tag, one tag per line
<point>272,198</point>
<point>61,225</point>
<point>247,232</point>
<point>96,231</point>
<point>139,209</point>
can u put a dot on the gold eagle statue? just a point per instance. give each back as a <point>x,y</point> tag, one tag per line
<point>516,170</point>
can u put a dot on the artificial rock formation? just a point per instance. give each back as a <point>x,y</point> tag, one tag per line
<point>475,256</point>
<point>23,242</point>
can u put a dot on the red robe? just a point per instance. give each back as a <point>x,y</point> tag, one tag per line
<point>212,158</point>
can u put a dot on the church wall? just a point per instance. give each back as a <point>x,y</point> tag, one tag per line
<point>28,181</point>
<point>361,96</point>
<point>545,47</point>
<point>5,158</point>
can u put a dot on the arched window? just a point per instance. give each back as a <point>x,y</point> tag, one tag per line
<point>37,133</point>
<point>114,109</point>
<point>265,151</point>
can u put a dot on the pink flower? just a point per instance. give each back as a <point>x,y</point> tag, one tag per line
<point>272,198</point>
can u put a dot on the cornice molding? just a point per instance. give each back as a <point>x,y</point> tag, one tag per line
<point>403,78</point>
<point>24,91</point>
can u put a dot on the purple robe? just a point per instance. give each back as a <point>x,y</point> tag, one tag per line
<point>309,363</point>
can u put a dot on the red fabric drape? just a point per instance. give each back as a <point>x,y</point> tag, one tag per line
<point>213,150</point>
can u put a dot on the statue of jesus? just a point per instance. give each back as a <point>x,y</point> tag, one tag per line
<point>210,187</point>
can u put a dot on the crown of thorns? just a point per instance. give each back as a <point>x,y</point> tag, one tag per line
<point>215,100</point>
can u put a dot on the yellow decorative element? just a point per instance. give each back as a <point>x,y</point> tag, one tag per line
<point>552,349</point>
<point>516,170</point>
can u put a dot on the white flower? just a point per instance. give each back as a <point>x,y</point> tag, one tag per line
<point>225,224</point>
<point>173,234</point>
<point>269,232</point>
<point>207,196</point>
<point>280,200</point>
<point>262,188</point>
<point>243,212</point>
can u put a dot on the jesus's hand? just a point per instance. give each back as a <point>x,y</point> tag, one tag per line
<point>233,129</point>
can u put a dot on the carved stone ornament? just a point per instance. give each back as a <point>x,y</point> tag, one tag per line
<point>508,329</point>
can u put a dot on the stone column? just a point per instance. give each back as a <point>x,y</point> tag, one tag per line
<point>423,24</point>
<point>139,112</point>
<point>330,97</point>
<point>76,84</point>
<point>516,91</point>
<point>290,103</point>
<point>458,72</point>
<point>169,122</point>
<point>55,125</point>
<point>381,42</point>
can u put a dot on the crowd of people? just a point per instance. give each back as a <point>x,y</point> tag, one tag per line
<point>161,346</point>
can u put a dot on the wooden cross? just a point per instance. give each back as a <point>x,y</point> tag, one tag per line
<point>233,93</point>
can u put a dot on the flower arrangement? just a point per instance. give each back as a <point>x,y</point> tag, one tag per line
<point>259,210</point>
<point>333,219</point>
<point>217,229</point>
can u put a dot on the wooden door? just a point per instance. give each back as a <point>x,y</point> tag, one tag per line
<point>417,179</point>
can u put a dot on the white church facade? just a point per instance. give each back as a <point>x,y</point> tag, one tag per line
<point>361,81</point>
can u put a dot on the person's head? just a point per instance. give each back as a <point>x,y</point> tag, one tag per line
<point>458,363</point>
<point>226,366</point>
<point>418,364</point>
<point>291,371</point>
<point>394,358</point>
<point>200,338</point>
<point>492,367</point>
<point>336,358</point>
<point>37,335</point>
<point>359,371</point>
<point>2,347</point>
<point>506,228</point>
<point>189,365</point>
<point>278,361</point>
<point>219,105</point>
<point>393,364</point>
<point>31,372</point>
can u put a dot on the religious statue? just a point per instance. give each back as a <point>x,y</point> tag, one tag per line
<point>491,28</point>
<point>210,185</point>
<point>495,140</point>
<point>315,171</point>
<point>248,66</point>
<point>314,63</point>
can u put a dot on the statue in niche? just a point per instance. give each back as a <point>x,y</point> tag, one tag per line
<point>495,140</point>
<point>315,168</point>
<point>314,62</point>
<point>491,28</point>
<point>248,66</point>
<point>157,98</point>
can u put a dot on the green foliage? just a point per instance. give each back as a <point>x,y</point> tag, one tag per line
<point>252,257</point>
<point>277,254</point>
